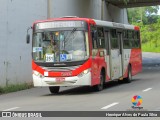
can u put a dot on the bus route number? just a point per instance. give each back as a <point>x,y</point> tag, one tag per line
<point>49,57</point>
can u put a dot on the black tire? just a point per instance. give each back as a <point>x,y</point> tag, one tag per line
<point>129,75</point>
<point>54,89</point>
<point>100,86</point>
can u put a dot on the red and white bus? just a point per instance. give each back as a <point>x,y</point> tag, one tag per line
<point>73,51</point>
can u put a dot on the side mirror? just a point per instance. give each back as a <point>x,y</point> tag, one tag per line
<point>28,36</point>
<point>28,39</point>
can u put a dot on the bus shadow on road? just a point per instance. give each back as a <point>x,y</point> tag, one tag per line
<point>74,91</point>
<point>89,90</point>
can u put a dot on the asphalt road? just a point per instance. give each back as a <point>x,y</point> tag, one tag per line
<point>115,97</point>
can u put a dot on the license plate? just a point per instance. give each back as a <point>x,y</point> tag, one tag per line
<point>60,79</point>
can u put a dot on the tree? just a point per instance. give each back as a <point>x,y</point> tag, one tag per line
<point>146,15</point>
<point>149,23</point>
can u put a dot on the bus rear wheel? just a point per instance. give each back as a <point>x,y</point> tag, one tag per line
<point>129,75</point>
<point>54,89</point>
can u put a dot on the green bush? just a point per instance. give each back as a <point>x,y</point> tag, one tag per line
<point>15,87</point>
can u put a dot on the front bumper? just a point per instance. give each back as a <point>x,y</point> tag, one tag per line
<point>84,80</point>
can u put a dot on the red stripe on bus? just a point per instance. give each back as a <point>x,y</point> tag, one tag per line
<point>75,72</point>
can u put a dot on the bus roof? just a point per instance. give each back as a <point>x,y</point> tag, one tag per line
<point>92,21</point>
<point>115,25</point>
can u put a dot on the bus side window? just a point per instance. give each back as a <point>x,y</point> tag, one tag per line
<point>101,41</point>
<point>114,39</point>
<point>126,42</point>
<point>137,40</point>
<point>131,38</point>
<point>94,37</point>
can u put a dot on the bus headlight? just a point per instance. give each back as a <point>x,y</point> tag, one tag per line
<point>84,72</point>
<point>38,74</point>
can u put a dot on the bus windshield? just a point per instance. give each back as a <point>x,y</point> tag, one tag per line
<point>59,46</point>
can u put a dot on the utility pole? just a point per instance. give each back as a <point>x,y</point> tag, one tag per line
<point>49,9</point>
<point>141,14</point>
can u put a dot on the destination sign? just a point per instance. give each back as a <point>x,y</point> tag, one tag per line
<point>60,24</point>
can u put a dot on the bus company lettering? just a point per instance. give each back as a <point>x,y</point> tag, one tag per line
<point>66,73</point>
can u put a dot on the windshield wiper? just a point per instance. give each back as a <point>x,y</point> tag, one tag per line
<point>67,38</point>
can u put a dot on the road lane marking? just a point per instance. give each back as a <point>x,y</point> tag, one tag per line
<point>110,105</point>
<point>11,109</point>
<point>147,89</point>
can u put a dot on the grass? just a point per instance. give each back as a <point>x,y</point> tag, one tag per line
<point>15,87</point>
<point>150,47</point>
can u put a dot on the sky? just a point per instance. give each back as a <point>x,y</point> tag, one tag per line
<point>159,12</point>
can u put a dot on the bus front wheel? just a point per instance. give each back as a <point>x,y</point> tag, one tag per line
<point>54,89</point>
<point>100,86</point>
